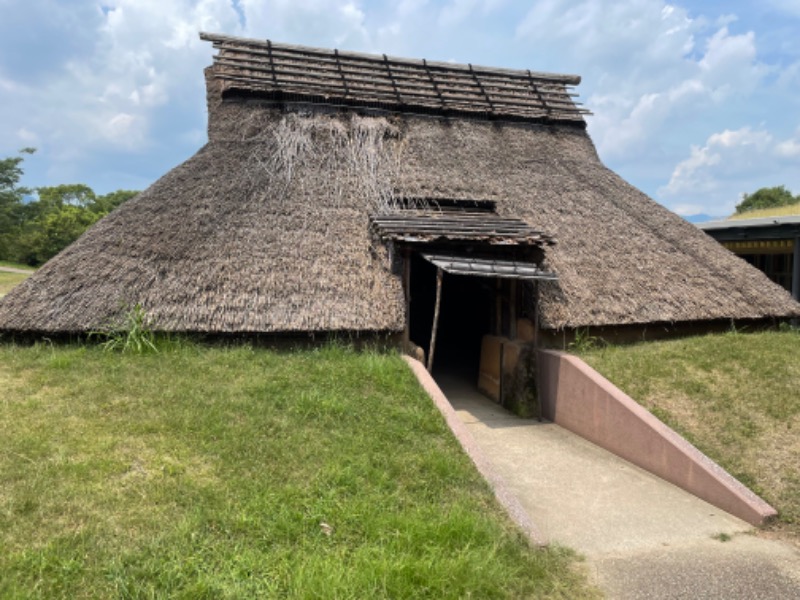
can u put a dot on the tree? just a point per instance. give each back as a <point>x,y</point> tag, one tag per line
<point>75,194</point>
<point>106,203</point>
<point>772,197</point>
<point>11,201</point>
<point>33,230</point>
<point>56,230</point>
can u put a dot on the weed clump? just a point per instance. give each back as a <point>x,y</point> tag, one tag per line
<point>133,333</point>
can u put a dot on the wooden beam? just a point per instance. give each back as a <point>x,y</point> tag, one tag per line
<point>435,327</point>
<point>796,269</point>
<point>407,293</point>
<point>512,310</point>
<point>498,308</point>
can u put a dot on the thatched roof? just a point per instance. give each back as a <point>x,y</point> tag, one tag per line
<point>267,228</point>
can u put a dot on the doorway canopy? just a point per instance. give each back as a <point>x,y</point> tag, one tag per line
<point>468,239</point>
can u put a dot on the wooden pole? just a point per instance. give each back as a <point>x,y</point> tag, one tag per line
<point>407,291</point>
<point>498,307</point>
<point>796,270</point>
<point>432,348</point>
<point>536,349</point>
<point>512,326</point>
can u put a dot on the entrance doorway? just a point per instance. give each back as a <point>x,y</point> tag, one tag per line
<point>465,316</point>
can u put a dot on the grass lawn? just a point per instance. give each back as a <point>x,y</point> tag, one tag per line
<point>244,473</point>
<point>9,280</point>
<point>735,396</point>
<point>781,211</point>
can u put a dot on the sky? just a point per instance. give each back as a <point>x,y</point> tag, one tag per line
<point>695,103</point>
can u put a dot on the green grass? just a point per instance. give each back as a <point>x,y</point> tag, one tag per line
<point>9,280</point>
<point>244,473</point>
<point>736,396</point>
<point>781,211</point>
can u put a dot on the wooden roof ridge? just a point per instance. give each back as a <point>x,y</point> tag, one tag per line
<point>402,84</point>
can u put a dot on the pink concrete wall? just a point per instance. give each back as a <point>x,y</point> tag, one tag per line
<point>578,398</point>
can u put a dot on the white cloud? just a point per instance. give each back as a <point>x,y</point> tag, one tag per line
<point>729,65</point>
<point>146,54</point>
<point>724,154</point>
<point>730,62</point>
<point>28,137</point>
<point>645,63</point>
<point>718,172</point>
<point>789,148</point>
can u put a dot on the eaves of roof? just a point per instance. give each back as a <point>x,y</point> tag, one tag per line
<point>766,228</point>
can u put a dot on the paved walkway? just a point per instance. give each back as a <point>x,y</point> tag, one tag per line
<point>642,537</point>
<point>15,270</point>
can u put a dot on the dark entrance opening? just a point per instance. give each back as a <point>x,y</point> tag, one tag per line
<point>465,316</point>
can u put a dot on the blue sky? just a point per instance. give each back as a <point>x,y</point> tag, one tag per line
<point>695,103</point>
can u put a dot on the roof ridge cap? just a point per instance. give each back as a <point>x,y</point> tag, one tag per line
<point>567,79</point>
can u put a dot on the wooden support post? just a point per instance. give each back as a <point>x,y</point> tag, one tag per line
<point>512,310</point>
<point>796,270</point>
<point>407,292</point>
<point>502,373</point>
<point>498,307</point>
<point>435,327</point>
<point>536,349</point>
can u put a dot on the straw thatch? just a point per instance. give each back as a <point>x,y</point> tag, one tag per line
<point>267,228</point>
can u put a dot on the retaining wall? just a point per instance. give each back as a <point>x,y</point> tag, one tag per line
<point>578,398</point>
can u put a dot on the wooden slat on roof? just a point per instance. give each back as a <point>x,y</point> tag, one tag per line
<point>466,226</point>
<point>484,267</point>
<point>349,78</point>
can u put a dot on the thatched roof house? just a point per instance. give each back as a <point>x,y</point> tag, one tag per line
<point>326,172</point>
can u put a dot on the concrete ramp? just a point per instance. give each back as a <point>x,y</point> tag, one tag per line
<point>578,494</point>
<point>643,536</point>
